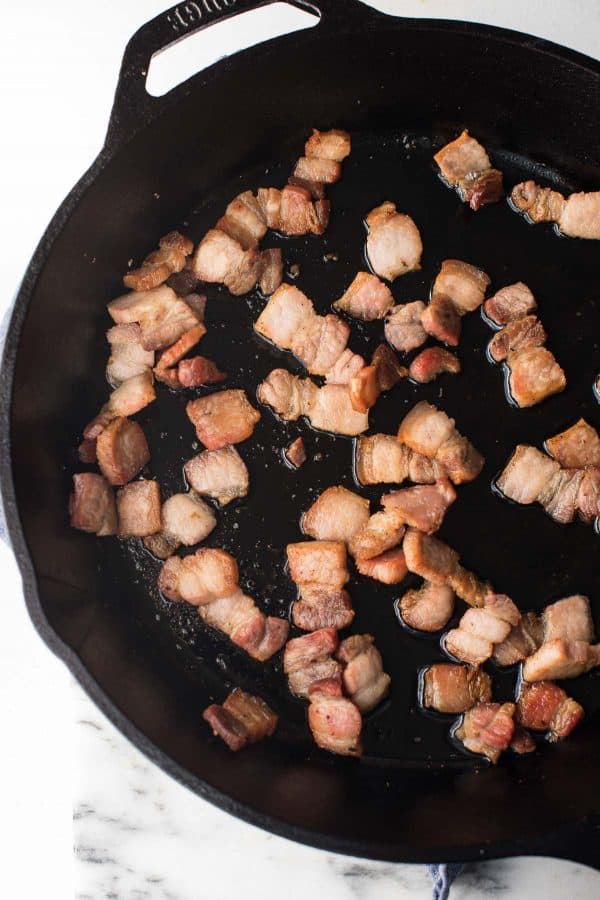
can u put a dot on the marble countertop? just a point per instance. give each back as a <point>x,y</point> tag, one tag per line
<point>68,778</point>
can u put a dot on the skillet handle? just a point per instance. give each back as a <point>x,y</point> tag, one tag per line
<point>133,106</point>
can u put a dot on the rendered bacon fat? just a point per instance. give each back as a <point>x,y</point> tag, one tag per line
<point>465,166</point>
<point>394,245</point>
<point>241,720</point>
<point>451,688</point>
<point>92,505</point>
<point>363,677</point>
<point>221,474</point>
<point>223,418</point>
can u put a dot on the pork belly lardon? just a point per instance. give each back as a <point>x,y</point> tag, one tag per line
<point>222,418</point>
<point>334,720</point>
<point>309,658</point>
<point>381,459</point>
<point>544,706</point>
<point>336,515</point>
<point>138,509</point>
<point>241,719</point>
<point>422,507</point>
<point>452,688</point>
<point>577,215</point>
<point>363,677</point>
<point>367,298</point>
<point>458,289</point>
<point>394,245</point>
<point>403,328</point>
<point>481,628</point>
<point>427,608</point>
<point>488,729</point>
<point>220,474</point>
<point>431,362</point>
<point>515,301</point>
<point>430,432</point>
<point>185,519</point>
<point>318,568</point>
<point>208,579</point>
<point>92,506</point>
<point>127,355</point>
<point>170,257</point>
<point>465,166</point>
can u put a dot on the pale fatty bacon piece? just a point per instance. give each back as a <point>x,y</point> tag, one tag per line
<point>313,168</point>
<point>451,688</point>
<point>388,567</point>
<point>320,342</point>
<point>577,447</point>
<point>380,459</point>
<point>127,355</point>
<point>580,216</point>
<point>138,507</point>
<point>389,370</point>
<point>481,628</point>
<point>363,677</point>
<point>309,658</point>
<point>394,245</point>
<point>173,354</point>
<point>431,362</point>
<point>216,256</point>
<point>569,619</point>
<point>465,165</point>
<point>241,720</point>
<point>403,328</point>
<point>561,659</point>
<point>296,453</point>
<point>469,587</point>
<point>122,450</point>
<point>286,313</point>
<point>429,608</point>
<point>523,640</point>
<point>588,499</point>
<point>383,531</point>
<point>92,505</point>
<point>156,268</point>
<point>422,507</point>
<point>287,395</point>
<point>336,515</point>
<point>186,519</point>
<point>335,721</point>
<point>421,469</point>
<point>509,303</point>
<point>526,475</point>
<point>320,606</point>
<point>367,298</point>
<point>537,203</point>
<point>333,144</point>
<point>425,428</point>
<point>519,334</point>
<point>346,366</point>
<point>269,200</point>
<point>429,557</point>
<point>162,315</point>
<point>534,375</point>
<point>441,320</point>
<point>462,283</point>
<point>488,729</point>
<point>544,706</point>
<point>560,496</point>
<point>129,398</point>
<point>221,474</point>
<point>223,418</point>
<point>200,578</point>
<point>332,410</point>
<point>318,562</point>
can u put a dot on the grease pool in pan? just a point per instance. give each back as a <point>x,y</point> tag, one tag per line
<point>519,549</point>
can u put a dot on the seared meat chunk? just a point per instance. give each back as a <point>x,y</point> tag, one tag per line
<point>394,244</point>
<point>510,303</point>
<point>403,328</point>
<point>577,447</point>
<point>459,459</point>
<point>327,408</point>
<point>138,507</point>
<point>346,366</point>
<point>429,557</point>
<point>462,283</point>
<point>569,619</point>
<point>216,256</point>
<point>321,606</point>
<point>388,567</point>
<point>336,515</point>
<point>380,459</point>
<point>220,474</point>
<point>522,741</point>
<point>425,428</point>
<point>588,498</point>
<point>469,587</point>
<point>367,298</point>
<point>247,627</point>
<point>537,203</point>
<point>422,507</point>
<point>450,688</point>
<point>382,531</point>
<point>122,450</point>
<point>92,505</point>
<point>198,371</point>
<point>389,370</point>
<point>186,519</point>
<point>441,320</point>
<point>299,214</point>
<point>432,362</point>
<point>242,719</point>
<point>520,334</point>
<point>333,144</point>
<point>318,562</point>
<point>488,728</point>
<point>534,375</point>
<point>162,316</point>
<point>481,628</point>
<point>465,165</point>
<point>363,677</point>
<point>560,496</point>
<point>200,578</point>
<point>129,398</point>
<point>544,706</point>
<point>363,389</point>
<point>296,453</point>
<point>156,268</point>
<point>577,216</point>
<point>526,475</point>
<point>222,418</point>
<point>429,608</point>
<point>561,659</point>
<point>524,639</point>
<point>127,355</point>
<point>243,221</point>
<point>335,722</point>
<point>309,658</point>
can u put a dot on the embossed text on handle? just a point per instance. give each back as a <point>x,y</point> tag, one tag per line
<point>189,14</point>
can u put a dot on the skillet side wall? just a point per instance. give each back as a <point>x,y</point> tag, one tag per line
<point>255,107</point>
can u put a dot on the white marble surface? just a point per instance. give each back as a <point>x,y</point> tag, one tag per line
<point>138,835</point>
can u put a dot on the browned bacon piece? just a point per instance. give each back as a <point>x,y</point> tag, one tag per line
<point>220,474</point>
<point>321,606</point>
<point>488,728</point>
<point>462,283</point>
<point>523,640</point>
<point>469,587</point>
<point>346,366</point>
<point>122,450</point>
<point>186,520</point>
<point>296,453</point>
<point>335,722</point>
<point>163,317</point>
<point>92,505</point>
<point>569,619</point>
<point>429,557</point>
<point>431,362</point>
<point>429,431</point>
<point>380,459</point>
<point>520,334</point>
<point>577,447</point>
<point>526,475</point>
<point>244,221</point>
<point>522,741</point>
<point>129,398</point>
<point>465,165</point>
<point>367,298</point>
<point>537,203</point>
<point>561,659</point>
<point>382,532</point>
<point>318,562</point>
<point>220,258</point>
<point>560,496</point>
<point>576,216</point>
<point>534,375</point>
<point>363,389</point>
<point>422,507</point>
<point>241,720</point>
<point>310,658</point>
<point>127,355</point>
<point>544,706</point>
<point>247,627</point>
<point>510,303</point>
<point>173,354</point>
<point>394,245</point>
<point>156,268</point>
<point>389,370</point>
<point>216,256</point>
<point>481,628</point>
<point>299,214</point>
<point>138,508</point>
<point>222,418</point>
<point>441,320</point>
<point>450,688</point>
<point>87,451</point>
<point>459,459</point>
<point>363,677</point>
<point>333,144</point>
<point>388,567</point>
<point>588,499</point>
<point>198,371</point>
<point>403,328</point>
<point>429,608</point>
<point>336,515</point>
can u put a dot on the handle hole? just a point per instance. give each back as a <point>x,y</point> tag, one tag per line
<point>176,63</point>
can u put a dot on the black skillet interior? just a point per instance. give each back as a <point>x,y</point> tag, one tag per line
<point>402,88</point>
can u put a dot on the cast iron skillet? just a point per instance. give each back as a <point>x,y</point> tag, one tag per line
<point>401,87</point>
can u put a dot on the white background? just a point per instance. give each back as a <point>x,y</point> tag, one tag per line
<point>58,69</point>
